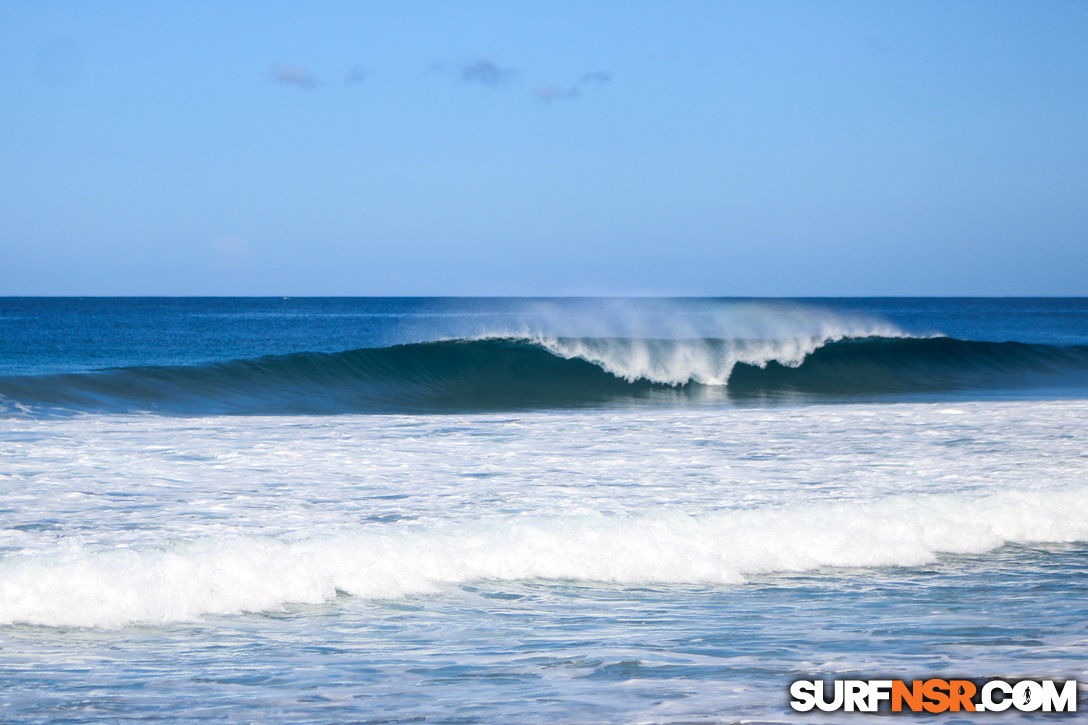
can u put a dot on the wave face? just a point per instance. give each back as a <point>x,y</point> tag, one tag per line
<point>520,373</point>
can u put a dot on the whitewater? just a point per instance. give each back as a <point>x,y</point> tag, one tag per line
<point>532,511</point>
<point>696,514</point>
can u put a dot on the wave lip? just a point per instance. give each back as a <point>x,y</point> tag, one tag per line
<point>521,374</point>
<point>243,574</point>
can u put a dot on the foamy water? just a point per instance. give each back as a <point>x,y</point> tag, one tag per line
<point>229,575</point>
<point>144,519</point>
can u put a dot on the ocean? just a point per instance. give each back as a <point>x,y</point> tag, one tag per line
<point>435,510</point>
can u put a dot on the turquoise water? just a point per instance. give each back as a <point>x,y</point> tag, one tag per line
<point>638,539</point>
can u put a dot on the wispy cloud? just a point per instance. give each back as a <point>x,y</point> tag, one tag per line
<point>486,72</point>
<point>478,70</point>
<point>294,75</point>
<point>549,94</point>
<point>357,74</point>
<point>598,77</point>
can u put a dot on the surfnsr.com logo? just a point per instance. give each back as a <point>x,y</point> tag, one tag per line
<point>934,695</point>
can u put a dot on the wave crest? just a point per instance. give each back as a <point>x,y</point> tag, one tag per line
<point>679,362</point>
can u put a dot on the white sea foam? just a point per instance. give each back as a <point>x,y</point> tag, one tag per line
<point>110,588</point>
<point>117,519</point>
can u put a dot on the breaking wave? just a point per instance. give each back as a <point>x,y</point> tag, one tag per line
<point>509,373</point>
<point>228,575</point>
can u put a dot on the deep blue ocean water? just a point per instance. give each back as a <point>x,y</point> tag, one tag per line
<point>532,510</point>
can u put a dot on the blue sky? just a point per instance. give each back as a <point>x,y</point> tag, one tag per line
<point>425,148</point>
